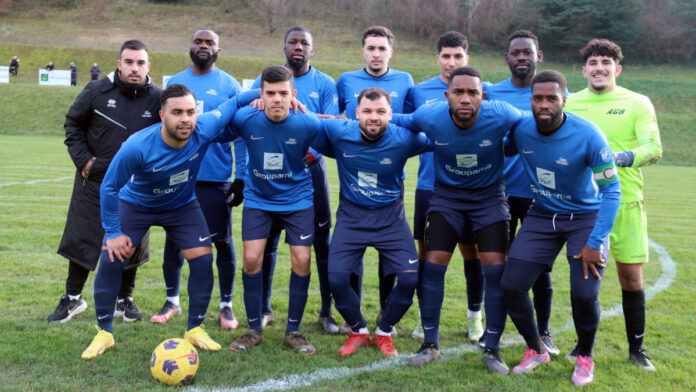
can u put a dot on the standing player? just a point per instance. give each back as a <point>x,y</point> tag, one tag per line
<point>576,196</point>
<point>102,117</point>
<point>452,50</point>
<point>279,189</point>
<point>523,54</point>
<point>152,182</point>
<point>629,122</point>
<point>370,155</point>
<point>377,48</point>
<point>211,87</point>
<point>469,191</point>
<point>318,92</point>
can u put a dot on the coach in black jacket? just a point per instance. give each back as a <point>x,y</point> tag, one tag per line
<point>102,117</point>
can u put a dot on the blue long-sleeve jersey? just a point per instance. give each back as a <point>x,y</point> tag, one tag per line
<point>350,84</point>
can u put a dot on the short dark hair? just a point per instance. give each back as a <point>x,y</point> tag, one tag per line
<point>378,31</point>
<point>452,39</point>
<point>602,47</point>
<point>469,71</point>
<point>275,74</point>
<point>133,44</point>
<point>297,28</point>
<point>523,34</point>
<point>175,90</point>
<point>551,76</point>
<point>373,94</point>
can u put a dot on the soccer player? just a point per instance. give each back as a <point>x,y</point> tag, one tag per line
<point>377,49</point>
<point>576,197</point>
<point>452,50</point>
<point>152,182</point>
<point>278,191</point>
<point>211,86</point>
<point>102,117</point>
<point>629,122</point>
<point>370,155</point>
<point>469,190</point>
<point>522,56</point>
<point>318,92</point>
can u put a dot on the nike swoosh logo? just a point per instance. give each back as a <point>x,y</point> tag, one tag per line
<point>322,224</point>
<point>292,320</point>
<point>304,237</point>
<point>201,316</point>
<point>155,170</point>
<point>256,138</point>
<point>527,152</point>
<point>102,317</point>
<point>201,239</point>
<point>427,101</point>
<point>348,156</point>
<point>428,328</point>
<point>640,336</point>
<point>252,320</point>
<point>491,332</point>
<point>412,261</point>
<point>194,157</point>
<point>441,144</point>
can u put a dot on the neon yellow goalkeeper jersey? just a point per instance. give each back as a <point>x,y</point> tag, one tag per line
<point>629,122</point>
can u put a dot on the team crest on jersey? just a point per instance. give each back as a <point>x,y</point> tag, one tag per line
<point>606,154</point>
<point>212,91</point>
<point>147,114</point>
<point>467,160</point>
<point>178,178</point>
<point>546,178</point>
<point>385,161</point>
<point>111,103</point>
<point>314,94</point>
<point>292,140</point>
<point>367,179</point>
<point>394,94</point>
<point>485,143</point>
<point>272,161</point>
<point>562,161</point>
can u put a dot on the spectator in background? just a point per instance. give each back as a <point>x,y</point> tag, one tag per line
<point>73,74</point>
<point>95,71</point>
<point>50,66</point>
<point>14,66</point>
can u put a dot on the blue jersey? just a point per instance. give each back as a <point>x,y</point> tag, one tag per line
<point>277,178</point>
<point>148,172</point>
<point>568,168</point>
<point>212,89</point>
<point>351,84</point>
<point>369,172</point>
<point>428,91</point>
<point>469,158</point>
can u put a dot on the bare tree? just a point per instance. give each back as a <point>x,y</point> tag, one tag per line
<point>273,12</point>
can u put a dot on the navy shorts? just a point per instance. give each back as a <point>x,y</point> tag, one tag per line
<point>218,215</point>
<point>385,229</point>
<point>322,202</point>
<point>470,209</point>
<point>185,225</point>
<point>298,225</point>
<point>420,213</point>
<point>544,233</point>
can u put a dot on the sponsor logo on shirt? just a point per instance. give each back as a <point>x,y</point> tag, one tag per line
<point>147,114</point>
<point>616,111</point>
<point>272,161</point>
<point>546,178</point>
<point>467,160</point>
<point>165,191</point>
<point>385,161</point>
<point>314,94</point>
<point>562,161</point>
<point>547,193</point>
<point>178,178</point>
<point>485,143</point>
<point>291,141</point>
<point>367,179</point>
<point>211,92</point>
<point>111,103</point>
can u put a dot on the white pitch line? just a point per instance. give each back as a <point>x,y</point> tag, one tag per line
<point>669,272</point>
<point>32,182</point>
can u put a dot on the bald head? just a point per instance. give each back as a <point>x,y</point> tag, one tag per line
<point>204,51</point>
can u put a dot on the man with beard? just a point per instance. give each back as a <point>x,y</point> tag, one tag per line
<point>469,191</point>
<point>523,54</point>
<point>576,197</point>
<point>211,87</point>
<point>102,117</point>
<point>151,182</point>
<point>629,122</point>
<point>370,155</point>
<point>318,92</point>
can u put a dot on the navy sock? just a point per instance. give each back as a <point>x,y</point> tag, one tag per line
<point>225,261</point>
<point>432,289</point>
<point>106,285</point>
<point>200,288</point>
<point>543,296</point>
<point>297,300</point>
<point>171,268</point>
<point>634,316</point>
<point>517,280</point>
<point>584,298</point>
<point>253,285</point>
<point>347,300</point>
<point>321,252</point>
<point>268,269</point>
<point>494,306</point>
<point>473,271</point>
<point>399,300</point>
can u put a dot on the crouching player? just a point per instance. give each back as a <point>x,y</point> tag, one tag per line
<point>567,158</point>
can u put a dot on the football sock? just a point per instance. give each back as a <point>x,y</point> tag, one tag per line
<point>77,276</point>
<point>347,301</point>
<point>106,285</point>
<point>171,268</point>
<point>494,306</point>
<point>174,300</point>
<point>399,300</point>
<point>253,284</point>
<point>74,297</point>
<point>225,304</point>
<point>472,314</point>
<point>584,295</point>
<point>382,333</point>
<point>432,288</point>
<point>321,252</point>
<point>517,280</point>
<point>297,300</point>
<point>473,271</point>
<point>225,261</point>
<point>634,316</point>
<point>543,296</point>
<point>200,288</point>
<point>268,269</point>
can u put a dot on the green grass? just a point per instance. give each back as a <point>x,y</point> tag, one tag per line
<point>35,355</point>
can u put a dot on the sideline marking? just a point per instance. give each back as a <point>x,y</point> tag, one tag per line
<point>32,182</point>
<point>669,272</point>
